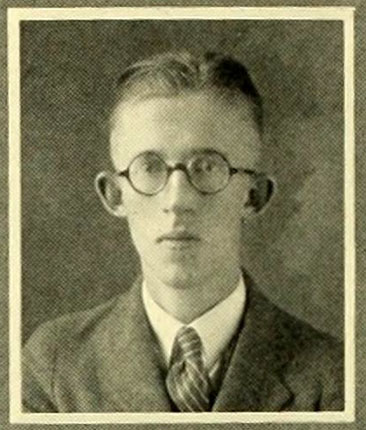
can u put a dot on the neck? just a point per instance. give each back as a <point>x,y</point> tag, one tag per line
<point>188,302</point>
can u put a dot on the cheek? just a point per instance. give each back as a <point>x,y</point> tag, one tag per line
<point>226,217</point>
<point>135,204</point>
<point>138,218</point>
<point>141,236</point>
<point>229,206</point>
<point>141,213</point>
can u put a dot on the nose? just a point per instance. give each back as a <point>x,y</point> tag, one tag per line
<point>179,195</point>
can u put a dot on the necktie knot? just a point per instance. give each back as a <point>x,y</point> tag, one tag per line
<point>187,346</point>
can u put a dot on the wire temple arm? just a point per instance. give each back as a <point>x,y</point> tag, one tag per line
<point>234,170</point>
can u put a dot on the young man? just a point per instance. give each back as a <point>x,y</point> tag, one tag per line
<point>193,333</point>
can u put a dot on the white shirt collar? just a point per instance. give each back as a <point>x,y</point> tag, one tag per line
<point>216,327</point>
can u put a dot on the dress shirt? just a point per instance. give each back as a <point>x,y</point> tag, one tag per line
<point>216,327</point>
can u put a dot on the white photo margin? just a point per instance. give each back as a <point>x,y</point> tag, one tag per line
<point>15,16</point>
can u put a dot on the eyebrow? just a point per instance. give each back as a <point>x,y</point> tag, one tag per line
<point>205,150</point>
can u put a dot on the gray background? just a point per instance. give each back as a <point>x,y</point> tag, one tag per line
<point>76,255</point>
<point>360,68</point>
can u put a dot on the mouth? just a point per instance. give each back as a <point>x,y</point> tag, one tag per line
<point>179,238</point>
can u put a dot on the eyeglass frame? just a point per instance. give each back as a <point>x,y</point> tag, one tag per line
<point>183,167</point>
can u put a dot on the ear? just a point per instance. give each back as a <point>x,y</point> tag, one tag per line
<point>110,194</point>
<point>260,194</point>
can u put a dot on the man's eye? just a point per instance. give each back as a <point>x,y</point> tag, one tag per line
<point>204,166</point>
<point>151,167</point>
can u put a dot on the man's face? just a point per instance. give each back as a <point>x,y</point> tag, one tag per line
<point>185,237</point>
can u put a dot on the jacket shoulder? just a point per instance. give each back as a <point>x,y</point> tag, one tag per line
<point>42,350</point>
<point>70,325</point>
<point>306,341</point>
<point>308,359</point>
<point>287,328</point>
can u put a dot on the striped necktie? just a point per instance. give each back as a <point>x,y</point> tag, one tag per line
<point>187,382</point>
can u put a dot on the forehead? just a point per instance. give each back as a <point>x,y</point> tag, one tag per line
<point>178,126</point>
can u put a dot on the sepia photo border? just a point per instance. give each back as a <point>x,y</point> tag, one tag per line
<point>15,17</point>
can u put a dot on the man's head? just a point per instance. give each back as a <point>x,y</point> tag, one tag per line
<point>180,127</point>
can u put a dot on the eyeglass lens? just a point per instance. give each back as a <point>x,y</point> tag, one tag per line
<point>148,173</point>
<point>207,172</point>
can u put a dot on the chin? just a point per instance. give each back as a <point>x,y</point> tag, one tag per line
<point>178,277</point>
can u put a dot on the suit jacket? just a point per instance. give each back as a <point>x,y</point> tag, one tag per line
<point>108,360</point>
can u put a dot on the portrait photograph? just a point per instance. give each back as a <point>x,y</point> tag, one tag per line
<point>182,235</point>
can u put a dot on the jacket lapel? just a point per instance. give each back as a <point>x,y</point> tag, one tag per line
<point>132,375</point>
<point>251,382</point>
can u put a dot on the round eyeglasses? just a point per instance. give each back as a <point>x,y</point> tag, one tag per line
<point>208,172</point>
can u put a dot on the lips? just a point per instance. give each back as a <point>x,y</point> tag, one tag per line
<point>178,237</point>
